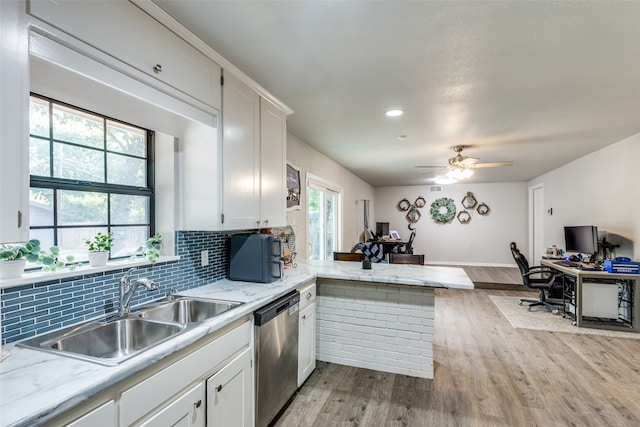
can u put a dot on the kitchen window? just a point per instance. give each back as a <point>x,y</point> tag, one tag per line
<point>89,173</point>
<point>324,212</point>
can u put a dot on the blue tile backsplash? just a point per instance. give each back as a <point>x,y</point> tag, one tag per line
<point>37,308</point>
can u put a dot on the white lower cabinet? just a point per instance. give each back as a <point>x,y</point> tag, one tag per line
<point>307,332</point>
<point>230,394</point>
<point>103,416</point>
<point>185,411</point>
<point>307,343</point>
<point>153,394</point>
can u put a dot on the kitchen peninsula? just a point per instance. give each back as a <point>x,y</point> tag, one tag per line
<point>386,314</point>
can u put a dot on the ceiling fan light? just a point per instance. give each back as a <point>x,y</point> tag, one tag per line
<point>459,173</point>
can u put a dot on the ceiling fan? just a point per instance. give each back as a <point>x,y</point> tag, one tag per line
<point>461,167</point>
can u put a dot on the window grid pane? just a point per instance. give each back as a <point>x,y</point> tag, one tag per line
<point>87,169</point>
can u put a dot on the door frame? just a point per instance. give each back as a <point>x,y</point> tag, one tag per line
<point>536,216</point>
<point>328,185</point>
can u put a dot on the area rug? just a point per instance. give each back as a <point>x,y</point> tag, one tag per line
<point>542,320</point>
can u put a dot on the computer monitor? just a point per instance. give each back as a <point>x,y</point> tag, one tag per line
<point>382,229</point>
<point>581,238</point>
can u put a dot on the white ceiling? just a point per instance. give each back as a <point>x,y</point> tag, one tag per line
<point>536,83</point>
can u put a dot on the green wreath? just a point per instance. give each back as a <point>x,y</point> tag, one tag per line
<point>437,212</point>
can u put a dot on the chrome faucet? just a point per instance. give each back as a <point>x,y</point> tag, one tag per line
<point>127,290</point>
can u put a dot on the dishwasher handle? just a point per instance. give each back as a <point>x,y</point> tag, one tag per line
<point>289,303</point>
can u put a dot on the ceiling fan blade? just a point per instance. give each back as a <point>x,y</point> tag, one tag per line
<point>468,161</point>
<point>423,166</point>
<point>492,165</point>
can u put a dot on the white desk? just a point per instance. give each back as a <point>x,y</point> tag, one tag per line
<point>601,277</point>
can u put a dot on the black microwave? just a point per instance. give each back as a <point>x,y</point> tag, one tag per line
<point>255,258</point>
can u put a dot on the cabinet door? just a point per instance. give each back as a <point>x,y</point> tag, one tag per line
<point>230,394</point>
<point>14,125</point>
<point>185,411</point>
<point>307,343</point>
<point>273,145</point>
<point>103,416</point>
<point>130,35</point>
<point>240,155</point>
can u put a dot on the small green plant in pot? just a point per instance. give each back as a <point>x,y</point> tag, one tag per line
<point>99,248</point>
<point>13,258</point>
<point>151,248</point>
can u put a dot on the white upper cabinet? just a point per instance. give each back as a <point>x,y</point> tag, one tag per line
<point>240,155</point>
<point>253,159</point>
<point>273,155</point>
<point>130,35</point>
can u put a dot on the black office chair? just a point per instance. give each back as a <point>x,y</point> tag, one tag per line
<point>408,247</point>
<point>546,280</point>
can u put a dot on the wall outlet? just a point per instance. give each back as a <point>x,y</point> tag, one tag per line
<point>204,258</point>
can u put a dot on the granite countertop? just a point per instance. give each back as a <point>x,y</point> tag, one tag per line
<point>36,386</point>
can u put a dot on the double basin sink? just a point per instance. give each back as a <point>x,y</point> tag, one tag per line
<point>111,341</point>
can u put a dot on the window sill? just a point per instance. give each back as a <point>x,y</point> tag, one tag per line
<point>38,276</point>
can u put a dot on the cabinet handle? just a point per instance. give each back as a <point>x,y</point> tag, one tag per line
<point>157,68</point>
<point>197,404</point>
<point>258,222</point>
<point>304,316</point>
<point>309,295</point>
<point>19,219</point>
<point>219,388</point>
<point>266,221</point>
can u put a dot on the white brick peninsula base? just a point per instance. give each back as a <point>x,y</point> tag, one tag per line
<point>380,326</point>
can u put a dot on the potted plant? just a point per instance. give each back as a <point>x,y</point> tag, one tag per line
<point>151,248</point>
<point>51,261</point>
<point>13,258</point>
<point>99,248</point>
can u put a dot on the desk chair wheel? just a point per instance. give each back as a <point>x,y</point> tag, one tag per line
<point>556,311</point>
<point>520,303</point>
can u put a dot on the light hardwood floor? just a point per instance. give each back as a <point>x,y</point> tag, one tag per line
<point>486,374</point>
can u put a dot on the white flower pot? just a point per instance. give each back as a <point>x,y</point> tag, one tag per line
<point>98,259</point>
<point>12,269</point>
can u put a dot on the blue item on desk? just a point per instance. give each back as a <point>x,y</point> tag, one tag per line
<point>616,266</point>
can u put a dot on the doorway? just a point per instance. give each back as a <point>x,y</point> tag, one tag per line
<point>536,223</point>
<point>323,205</point>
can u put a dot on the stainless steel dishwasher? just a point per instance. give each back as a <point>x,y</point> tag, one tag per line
<point>276,334</point>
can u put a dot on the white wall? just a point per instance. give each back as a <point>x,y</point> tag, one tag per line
<point>354,189</point>
<point>601,189</point>
<point>482,241</point>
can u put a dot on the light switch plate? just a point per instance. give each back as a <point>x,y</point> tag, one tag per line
<point>204,258</point>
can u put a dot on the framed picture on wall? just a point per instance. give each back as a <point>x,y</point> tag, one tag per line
<point>393,234</point>
<point>293,187</point>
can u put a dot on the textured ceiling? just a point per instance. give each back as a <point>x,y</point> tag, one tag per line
<point>536,83</point>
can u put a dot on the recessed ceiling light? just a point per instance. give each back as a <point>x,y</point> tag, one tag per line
<point>403,137</point>
<point>394,113</point>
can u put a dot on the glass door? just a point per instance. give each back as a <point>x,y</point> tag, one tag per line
<point>324,205</point>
